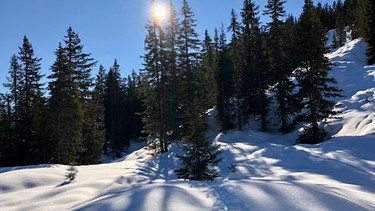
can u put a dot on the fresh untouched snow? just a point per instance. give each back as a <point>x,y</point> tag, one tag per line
<point>259,171</point>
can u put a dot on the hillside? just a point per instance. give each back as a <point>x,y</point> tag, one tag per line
<point>270,172</point>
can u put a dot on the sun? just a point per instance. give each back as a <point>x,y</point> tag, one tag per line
<point>159,11</point>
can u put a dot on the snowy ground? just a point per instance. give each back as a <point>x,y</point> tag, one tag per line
<point>270,172</point>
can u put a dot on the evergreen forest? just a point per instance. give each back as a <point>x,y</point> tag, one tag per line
<point>274,74</point>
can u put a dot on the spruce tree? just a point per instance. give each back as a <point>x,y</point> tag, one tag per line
<point>30,105</point>
<point>154,91</point>
<point>116,111</point>
<point>279,63</point>
<point>82,65</point>
<point>174,75</point>
<point>237,61</point>
<point>136,106</point>
<point>65,114</point>
<point>206,74</point>
<point>10,108</point>
<point>254,69</point>
<point>8,146</point>
<point>94,124</point>
<point>369,20</point>
<point>317,88</point>
<point>201,155</point>
<point>224,83</point>
<point>188,48</point>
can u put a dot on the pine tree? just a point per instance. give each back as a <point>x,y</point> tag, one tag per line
<point>65,114</point>
<point>8,148</point>
<point>94,124</point>
<point>355,15</point>
<point>224,82</point>
<point>206,74</point>
<point>154,91</point>
<point>188,47</point>
<point>279,63</point>
<point>113,97</point>
<point>253,71</point>
<point>174,75</point>
<point>82,65</point>
<point>370,30</point>
<point>316,86</point>
<point>237,61</point>
<point>136,106</point>
<point>30,105</point>
<point>201,155</point>
<point>10,113</point>
<point>340,36</point>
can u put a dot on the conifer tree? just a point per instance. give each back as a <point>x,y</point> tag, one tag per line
<point>65,114</point>
<point>30,105</point>
<point>201,155</point>
<point>224,81</point>
<point>154,91</point>
<point>174,75</point>
<point>188,47</point>
<point>206,73</point>
<point>254,71</point>
<point>10,114</point>
<point>113,97</point>
<point>279,63</point>
<point>317,88</point>
<point>7,135</point>
<point>369,20</point>
<point>82,66</point>
<point>355,11</point>
<point>136,106</point>
<point>237,61</point>
<point>94,124</point>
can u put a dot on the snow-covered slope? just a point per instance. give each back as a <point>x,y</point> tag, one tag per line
<point>358,81</point>
<point>268,172</point>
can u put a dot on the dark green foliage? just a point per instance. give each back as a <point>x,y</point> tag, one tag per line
<point>237,62</point>
<point>71,173</point>
<point>153,91</point>
<point>113,97</point>
<point>201,154</point>
<point>254,71</point>
<point>135,107</point>
<point>225,89</point>
<point>370,30</point>
<point>23,109</point>
<point>317,89</point>
<point>279,51</point>
<point>354,10</point>
<point>75,112</point>
<point>121,109</point>
<point>65,114</point>
<point>188,48</point>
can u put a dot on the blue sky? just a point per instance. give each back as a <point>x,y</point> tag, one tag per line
<point>108,29</point>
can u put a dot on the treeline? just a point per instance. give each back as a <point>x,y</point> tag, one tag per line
<point>250,73</point>
<point>357,15</point>
<point>75,117</point>
<point>272,73</point>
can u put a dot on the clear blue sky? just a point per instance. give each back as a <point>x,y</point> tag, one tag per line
<point>108,29</point>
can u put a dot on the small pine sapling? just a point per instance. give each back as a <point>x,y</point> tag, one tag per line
<point>71,173</point>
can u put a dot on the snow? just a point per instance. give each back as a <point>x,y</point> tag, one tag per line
<point>259,171</point>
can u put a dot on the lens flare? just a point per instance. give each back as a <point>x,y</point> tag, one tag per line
<point>159,11</point>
